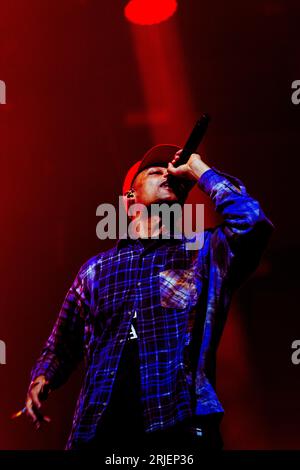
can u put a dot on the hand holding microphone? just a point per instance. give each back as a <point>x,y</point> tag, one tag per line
<point>181,166</point>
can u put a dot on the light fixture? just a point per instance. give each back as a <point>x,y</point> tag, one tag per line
<point>149,12</point>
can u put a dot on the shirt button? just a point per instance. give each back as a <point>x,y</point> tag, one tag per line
<point>139,283</point>
<point>121,340</point>
<point>129,313</point>
<point>104,403</point>
<point>112,373</point>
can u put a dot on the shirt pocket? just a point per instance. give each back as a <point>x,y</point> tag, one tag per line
<point>178,288</point>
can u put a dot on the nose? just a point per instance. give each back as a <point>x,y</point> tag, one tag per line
<point>167,178</point>
<point>166,174</point>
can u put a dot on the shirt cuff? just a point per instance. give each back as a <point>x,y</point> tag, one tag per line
<point>213,177</point>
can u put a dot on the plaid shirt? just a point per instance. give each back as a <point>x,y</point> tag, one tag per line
<point>181,298</point>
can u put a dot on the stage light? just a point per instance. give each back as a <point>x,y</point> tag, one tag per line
<point>149,12</point>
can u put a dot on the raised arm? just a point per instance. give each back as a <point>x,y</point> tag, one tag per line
<point>237,244</point>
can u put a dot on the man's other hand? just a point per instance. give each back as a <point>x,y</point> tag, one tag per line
<point>38,390</point>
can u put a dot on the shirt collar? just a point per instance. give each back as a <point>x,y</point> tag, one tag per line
<point>172,239</point>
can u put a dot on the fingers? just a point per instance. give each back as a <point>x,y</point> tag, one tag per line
<point>176,171</point>
<point>40,419</point>
<point>171,169</point>
<point>36,390</point>
<point>29,410</point>
<point>184,170</point>
<point>176,157</point>
<point>45,390</point>
<point>36,416</point>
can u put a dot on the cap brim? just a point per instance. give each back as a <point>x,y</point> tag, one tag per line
<point>159,155</point>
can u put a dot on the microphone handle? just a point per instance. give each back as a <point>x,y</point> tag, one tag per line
<point>194,139</point>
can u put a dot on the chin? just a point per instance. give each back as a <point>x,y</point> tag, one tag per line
<point>169,198</point>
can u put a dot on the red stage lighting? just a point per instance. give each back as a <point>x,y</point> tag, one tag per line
<point>148,12</point>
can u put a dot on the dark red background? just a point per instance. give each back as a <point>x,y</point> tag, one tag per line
<point>87,95</point>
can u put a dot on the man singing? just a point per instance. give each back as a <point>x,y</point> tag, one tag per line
<point>147,316</point>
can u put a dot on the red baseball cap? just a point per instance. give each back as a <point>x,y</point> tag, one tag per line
<point>159,155</point>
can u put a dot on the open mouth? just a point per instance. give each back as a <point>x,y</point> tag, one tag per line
<point>177,187</point>
<point>165,184</point>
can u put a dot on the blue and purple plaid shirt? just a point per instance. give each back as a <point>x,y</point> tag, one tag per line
<point>180,298</point>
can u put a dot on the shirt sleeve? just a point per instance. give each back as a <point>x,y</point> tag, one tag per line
<point>64,348</point>
<point>238,243</point>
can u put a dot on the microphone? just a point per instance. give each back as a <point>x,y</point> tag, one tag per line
<point>194,139</point>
